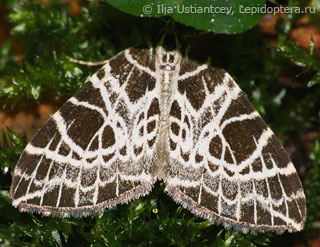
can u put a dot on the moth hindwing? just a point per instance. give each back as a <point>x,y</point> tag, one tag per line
<point>154,114</point>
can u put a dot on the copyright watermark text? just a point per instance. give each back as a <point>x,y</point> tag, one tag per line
<point>187,9</point>
<point>165,9</point>
<point>276,10</point>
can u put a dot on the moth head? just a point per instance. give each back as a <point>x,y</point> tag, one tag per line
<point>168,59</point>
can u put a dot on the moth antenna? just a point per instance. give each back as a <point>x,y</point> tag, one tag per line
<point>87,63</point>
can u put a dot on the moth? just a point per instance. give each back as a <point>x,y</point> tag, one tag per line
<point>155,114</point>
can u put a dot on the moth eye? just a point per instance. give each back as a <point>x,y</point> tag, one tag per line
<point>171,58</point>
